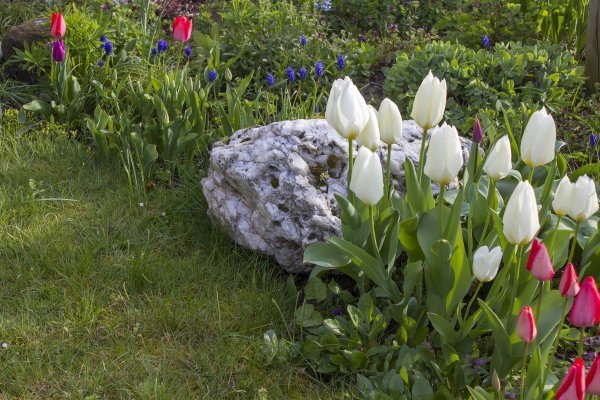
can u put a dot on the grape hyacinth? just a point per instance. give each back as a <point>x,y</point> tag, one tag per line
<point>153,51</point>
<point>103,39</point>
<point>291,75</point>
<point>319,69</point>
<point>108,48</point>
<point>162,46</point>
<point>593,140</point>
<point>270,80</point>
<point>486,42</point>
<point>188,51</point>
<point>341,63</point>
<point>323,6</point>
<point>303,40</point>
<point>302,73</point>
<point>101,63</point>
<point>212,76</point>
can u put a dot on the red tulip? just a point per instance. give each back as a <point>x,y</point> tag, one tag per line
<point>539,263</point>
<point>526,328</point>
<point>182,29</point>
<point>58,26</point>
<point>586,307</point>
<point>592,381</point>
<point>569,284</point>
<point>573,386</point>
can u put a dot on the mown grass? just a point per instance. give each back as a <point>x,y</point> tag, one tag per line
<point>103,298</point>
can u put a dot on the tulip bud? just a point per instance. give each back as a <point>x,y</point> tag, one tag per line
<point>592,381</point>
<point>390,122</point>
<point>228,75</point>
<point>367,177</point>
<point>430,102</point>
<point>58,51</point>
<point>369,136</point>
<point>539,263</point>
<point>498,163</point>
<point>526,328</point>
<point>569,284</point>
<point>477,131</point>
<point>562,197</point>
<point>585,312</point>
<point>444,155</point>
<point>486,263</point>
<point>58,26</point>
<point>539,139</point>
<point>583,201</point>
<point>573,386</point>
<point>520,219</point>
<point>347,111</point>
<point>182,29</point>
<point>496,385</point>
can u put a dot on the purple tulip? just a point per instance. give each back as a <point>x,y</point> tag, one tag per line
<point>58,51</point>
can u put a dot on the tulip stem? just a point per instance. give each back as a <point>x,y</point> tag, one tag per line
<point>572,252</point>
<point>555,344</point>
<point>373,237</point>
<point>388,173</point>
<point>530,179</point>
<point>523,371</point>
<point>350,164</point>
<point>491,195</point>
<point>441,211</point>
<point>582,330</point>
<point>554,233</point>
<point>513,295</point>
<point>422,155</point>
<point>539,306</point>
<point>466,315</point>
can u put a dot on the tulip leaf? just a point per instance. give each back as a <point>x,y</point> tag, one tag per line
<point>372,267</point>
<point>444,328</point>
<point>38,106</point>
<point>407,235</point>
<point>478,393</point>
<point>590,258</point>
<point>501,358</point>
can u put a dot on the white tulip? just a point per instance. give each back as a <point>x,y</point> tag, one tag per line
<point>486,263</point>
<point>562,197</point>
<point>498,163</point>
<point>390,122</point>
<point>347,110</point>
<point>520,220</point>
<point>444,155</point>
<point>430,102</point>
<point>539,139</point>
<point>583,200</point>
<point>367,177</point>
<point>369,136</point>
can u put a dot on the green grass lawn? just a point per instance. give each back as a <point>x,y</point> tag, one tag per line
<point>103,298</point>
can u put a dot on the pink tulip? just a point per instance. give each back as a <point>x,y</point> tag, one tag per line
<point>539,263</point>
<point>182,29</point>
<point>569,284</point>
<point>592,381</point>
<point>573,386</point>
<point>585,312</point>
<point>58,26</point>
<point>526,328</point>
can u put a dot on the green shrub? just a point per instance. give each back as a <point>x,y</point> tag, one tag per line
<point>507,76</point>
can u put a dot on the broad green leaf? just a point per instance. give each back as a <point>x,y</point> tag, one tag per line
<point>315,289</point>
<point>444,328</point>
<point>306,316</point>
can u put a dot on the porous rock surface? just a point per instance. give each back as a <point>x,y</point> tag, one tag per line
<point>271,188</point>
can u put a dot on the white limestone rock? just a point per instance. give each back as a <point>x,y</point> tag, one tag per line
<point>271,188</point>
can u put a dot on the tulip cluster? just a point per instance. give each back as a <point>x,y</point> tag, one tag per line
<point>58,27</point>
<point>348,113</point>
<point>577,384</point>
